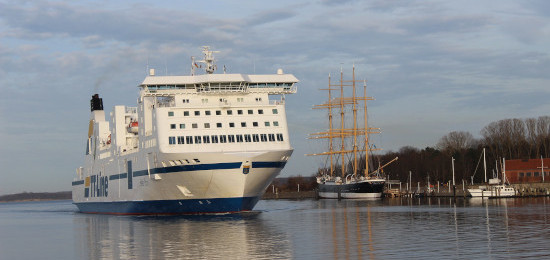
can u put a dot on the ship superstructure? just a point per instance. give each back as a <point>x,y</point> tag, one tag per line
<point>194,144</point>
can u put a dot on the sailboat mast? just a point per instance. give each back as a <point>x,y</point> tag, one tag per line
<point>484,165</point>
<point>366,131</point>
<point>342,149</point>
<point>330,127</point>
<point>354,100</point>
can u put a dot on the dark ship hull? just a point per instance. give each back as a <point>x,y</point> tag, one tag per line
<point>371,188</point>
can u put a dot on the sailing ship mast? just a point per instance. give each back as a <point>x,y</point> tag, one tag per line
<point>342,133</point>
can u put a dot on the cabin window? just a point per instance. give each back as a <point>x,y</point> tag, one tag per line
<point>250,111</point>
<point>231,124</point>
<point>275,111</point>
<point>197,113</point>
<point>195,125</point>
<point>258,99</point>
<point>275,123</point>
<point>182,126</point>
<point>255,124</point>
<point>536,174</point>
<point>229,112</point>
<point>260,111</point>
<point>207,112</point>
<point>521,174</point>
<point>189,140</point>
<point>218,112</point>
<point>172,126</point>
<point>239,112</point>
<point>206,125</point>
<point>219,125</point>
<point>170,113</point>
<point>243,124</point>
<point>267,123</point>
<point>185,101</point>
<point>185,113</point>
<point>528,174</point>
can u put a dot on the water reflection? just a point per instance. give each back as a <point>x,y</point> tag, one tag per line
<point>398,228</point>
<point>197,237</point>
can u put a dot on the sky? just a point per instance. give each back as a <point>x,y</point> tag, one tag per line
<point>432,66</point>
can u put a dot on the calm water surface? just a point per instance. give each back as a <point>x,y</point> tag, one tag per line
<point>278,229</point>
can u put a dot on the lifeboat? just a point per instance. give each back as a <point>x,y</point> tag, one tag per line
<point>133,127</point>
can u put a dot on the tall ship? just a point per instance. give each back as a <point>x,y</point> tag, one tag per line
<point>204,143</point>
<point>348,144</point>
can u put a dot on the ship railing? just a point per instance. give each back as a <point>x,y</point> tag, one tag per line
<point>131,110</point>
<point>276,102</point>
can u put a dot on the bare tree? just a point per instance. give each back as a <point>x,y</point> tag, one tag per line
<point>455,142</point>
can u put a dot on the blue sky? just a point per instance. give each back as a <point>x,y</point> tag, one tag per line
<point>433,67</point>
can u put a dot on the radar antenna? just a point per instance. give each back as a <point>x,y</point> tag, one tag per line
<point>209,61</point>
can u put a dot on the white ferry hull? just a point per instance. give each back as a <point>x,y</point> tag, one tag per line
<point>183,189</point>
<point>494,192</point>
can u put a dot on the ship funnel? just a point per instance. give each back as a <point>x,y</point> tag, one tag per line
<point>96,103</point>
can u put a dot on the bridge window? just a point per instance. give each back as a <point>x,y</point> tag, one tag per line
<point>231,138</point>
<point>247,138</point>
<point>189,140</point>
<point>198,139</point>
<point>206,139</point>
<point>239,138</point>
<point>263,137</point>
<point>181,140</point>
<point>223,139</point>
<point>171,140</point>
<point>255,137</point>
<point>272,137</point>
<point>280,137</point>
<point>214,139</point>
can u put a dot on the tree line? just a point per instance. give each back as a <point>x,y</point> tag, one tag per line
<point>509,138</point>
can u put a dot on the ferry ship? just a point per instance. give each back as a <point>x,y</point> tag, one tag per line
<point>203,143</point>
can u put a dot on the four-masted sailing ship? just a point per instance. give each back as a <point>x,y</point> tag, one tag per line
<point>348,145</point>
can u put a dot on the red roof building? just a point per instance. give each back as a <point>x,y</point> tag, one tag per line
<point>527,170</point>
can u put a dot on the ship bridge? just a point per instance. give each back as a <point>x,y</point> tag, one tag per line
<point>219,83</point>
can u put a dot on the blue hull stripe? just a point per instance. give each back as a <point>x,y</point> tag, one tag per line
<point>188,168</point>
<point>170,207</point>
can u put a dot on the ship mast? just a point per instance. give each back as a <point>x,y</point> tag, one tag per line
<point>343,133</point>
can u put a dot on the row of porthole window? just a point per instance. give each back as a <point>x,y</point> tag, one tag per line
<point>240,138</point>
<point>220,125</point>
<point>219,112</point>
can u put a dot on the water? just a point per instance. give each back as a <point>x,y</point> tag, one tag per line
<point>278,229</point>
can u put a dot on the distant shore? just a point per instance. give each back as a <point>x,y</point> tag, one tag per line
<point>36,196</point>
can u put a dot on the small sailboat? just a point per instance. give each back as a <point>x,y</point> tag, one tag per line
<point>496,187</point>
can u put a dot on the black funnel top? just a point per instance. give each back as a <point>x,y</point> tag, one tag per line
<point>96,103</point>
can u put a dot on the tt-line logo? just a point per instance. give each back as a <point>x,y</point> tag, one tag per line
<point>96,186</point>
